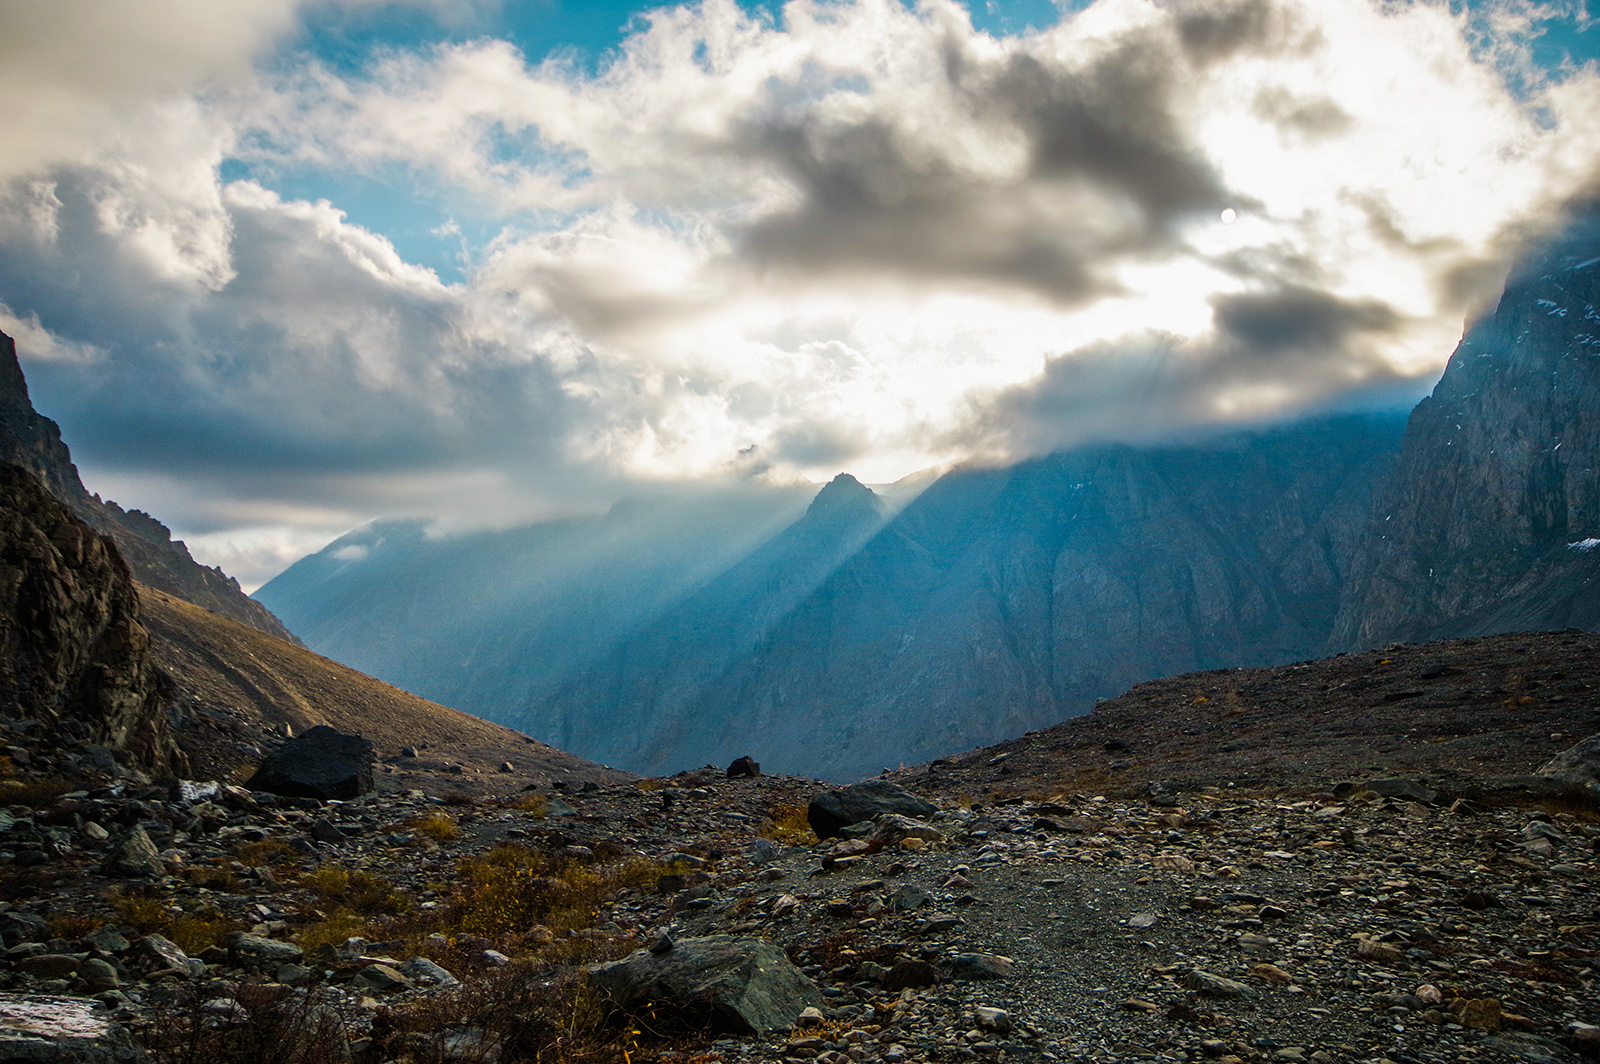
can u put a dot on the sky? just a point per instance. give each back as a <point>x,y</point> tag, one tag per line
<point>282,267</point>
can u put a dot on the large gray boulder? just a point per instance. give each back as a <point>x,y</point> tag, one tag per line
<point>323,763</point>
<point>1578,764</point>
<point>731,984</point>
<point>43,1029</point>
<point>832,810</point>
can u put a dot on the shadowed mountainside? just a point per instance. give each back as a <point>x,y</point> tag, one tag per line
<point>1489,521</point>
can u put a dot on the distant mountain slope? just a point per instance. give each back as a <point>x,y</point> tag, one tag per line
<point>32,441</point>
<point>1000,600</point>
<point>246,686</point>
<point>1491,518</point>
<point>672,632</point>
<point>485,620</point>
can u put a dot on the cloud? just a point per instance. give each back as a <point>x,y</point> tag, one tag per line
<point>866,237</point>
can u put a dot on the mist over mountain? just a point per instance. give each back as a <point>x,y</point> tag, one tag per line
<point>844,638</point>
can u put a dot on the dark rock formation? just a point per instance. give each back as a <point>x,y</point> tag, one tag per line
<point>744,767</point>
<point>72,651</point>
<point>323,763</point>
<point>32,441</point>
<point>1489,522</point>
<point>830,811</point>
<point>733,984</point>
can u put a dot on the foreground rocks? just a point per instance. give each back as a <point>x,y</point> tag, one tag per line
<point>61,1030</point>
<point>734,984</point>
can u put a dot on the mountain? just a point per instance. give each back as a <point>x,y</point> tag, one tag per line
<point>198,680</point>
<point>32,441</point>
<point>1489,522</point>
<point>857,633</point>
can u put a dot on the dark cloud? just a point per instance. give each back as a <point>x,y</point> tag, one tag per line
<point>1295,319</point>
<point>1110,170</point>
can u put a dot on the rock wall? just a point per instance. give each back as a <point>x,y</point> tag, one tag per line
<point>1490,521</point>
<point>72,651</point>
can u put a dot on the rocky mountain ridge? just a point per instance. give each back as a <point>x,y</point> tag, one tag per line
<point>32,441</point>
<point>1489,521</point>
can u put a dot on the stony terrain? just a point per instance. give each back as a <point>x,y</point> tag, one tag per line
<point>1356,911</point>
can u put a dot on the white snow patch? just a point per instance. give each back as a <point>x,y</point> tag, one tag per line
<point>1584,546</point>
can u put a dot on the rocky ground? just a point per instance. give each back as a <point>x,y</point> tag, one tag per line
<point>1330,917</point>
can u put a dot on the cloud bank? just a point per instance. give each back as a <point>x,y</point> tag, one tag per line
<point>864,235</point>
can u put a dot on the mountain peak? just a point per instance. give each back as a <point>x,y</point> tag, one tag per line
<point>844,494</point>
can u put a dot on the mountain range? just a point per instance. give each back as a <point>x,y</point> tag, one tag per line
<point>845,634</point>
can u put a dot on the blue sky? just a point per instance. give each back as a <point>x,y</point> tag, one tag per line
<point>281,267</point>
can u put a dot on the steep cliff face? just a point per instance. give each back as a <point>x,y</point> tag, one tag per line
<point>1490,520</point>
<point>33,442</point>
<point>72,651</point>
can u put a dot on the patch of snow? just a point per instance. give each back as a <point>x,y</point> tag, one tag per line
<point>1584,546</point>
<point>1585,265</point>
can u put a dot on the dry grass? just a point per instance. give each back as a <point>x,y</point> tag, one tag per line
<point>150,914</point>
<point>35,794</point>
<point>438,826</point>
<point>356,890</point>
<point>788,825</point>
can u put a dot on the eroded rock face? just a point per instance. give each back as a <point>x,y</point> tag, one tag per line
<point>738,984</point>
<point>72,650</point>
<point>1490,520</point>
<point>323,763</point>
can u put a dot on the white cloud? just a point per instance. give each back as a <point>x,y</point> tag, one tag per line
<point>870,238</point>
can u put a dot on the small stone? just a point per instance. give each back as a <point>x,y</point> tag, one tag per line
<point>381,979</point>
<point>1140,921</point>
<point>1271,973</point>
<point>422,970</point>
<point>810,1016</point>
<point>496,958</point>
<point>1380,952</point>
<point>992,1018</point>
<point>99,974</point>
<point>1216,986</point>
<point>980,966</point>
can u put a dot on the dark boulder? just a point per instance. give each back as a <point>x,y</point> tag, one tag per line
<point>831,811</point>
<point>732,984</point>
<point>323,763</point>
<point>744,766</point>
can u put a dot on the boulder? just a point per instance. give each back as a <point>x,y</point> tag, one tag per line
<point>744,766</point>
<point>1578,764</point>
<point>832,810</point>
<point>256,951</point>
<point>133,855</point>
<point>733,984</point>
<point>61,1030</point>
<point>323,763</point>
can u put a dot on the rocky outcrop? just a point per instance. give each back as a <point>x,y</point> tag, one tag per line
<point>33,442</point>
<point>72,651</point>
<point>1490,520</point>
